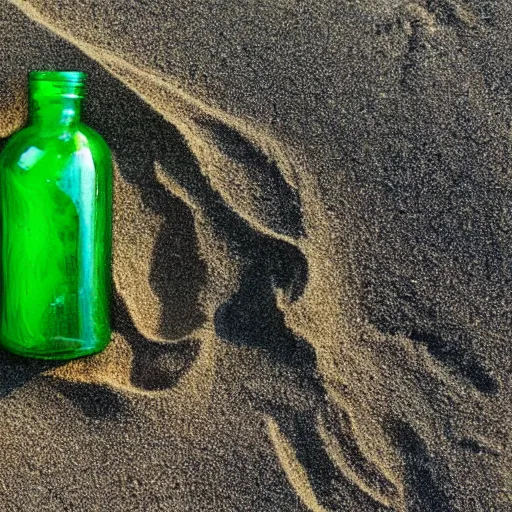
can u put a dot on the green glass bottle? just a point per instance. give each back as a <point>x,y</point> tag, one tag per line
<point>56,221</point>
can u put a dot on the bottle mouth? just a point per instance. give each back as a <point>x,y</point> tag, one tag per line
<point>70,77</point>
<point>67,84</point>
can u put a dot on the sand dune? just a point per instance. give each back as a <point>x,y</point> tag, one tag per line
<point>311,260</point>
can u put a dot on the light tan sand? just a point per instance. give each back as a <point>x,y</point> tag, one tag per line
<point>312,259</point>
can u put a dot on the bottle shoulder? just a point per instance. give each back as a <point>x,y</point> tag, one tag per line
<point>33,142</point>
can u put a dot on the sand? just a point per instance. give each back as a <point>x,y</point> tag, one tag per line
<point>312,259</point>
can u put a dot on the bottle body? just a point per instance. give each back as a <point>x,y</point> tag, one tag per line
<point>56,232</point>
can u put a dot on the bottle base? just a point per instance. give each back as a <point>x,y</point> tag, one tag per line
<point>62,353</point>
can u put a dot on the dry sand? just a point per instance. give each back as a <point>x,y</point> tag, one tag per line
<point>313,259</point>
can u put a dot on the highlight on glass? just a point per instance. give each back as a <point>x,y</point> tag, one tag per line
<point>56,220</point>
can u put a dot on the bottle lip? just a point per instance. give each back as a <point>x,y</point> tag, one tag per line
<point>70,77</point>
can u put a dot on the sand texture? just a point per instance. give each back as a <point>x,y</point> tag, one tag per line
<point>312,259</point>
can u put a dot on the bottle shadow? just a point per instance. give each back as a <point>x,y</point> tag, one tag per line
<point>178,273</point>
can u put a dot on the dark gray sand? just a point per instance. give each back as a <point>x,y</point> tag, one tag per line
<point>313,259</point>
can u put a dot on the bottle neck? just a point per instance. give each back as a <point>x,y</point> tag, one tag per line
<point>55,110</point>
